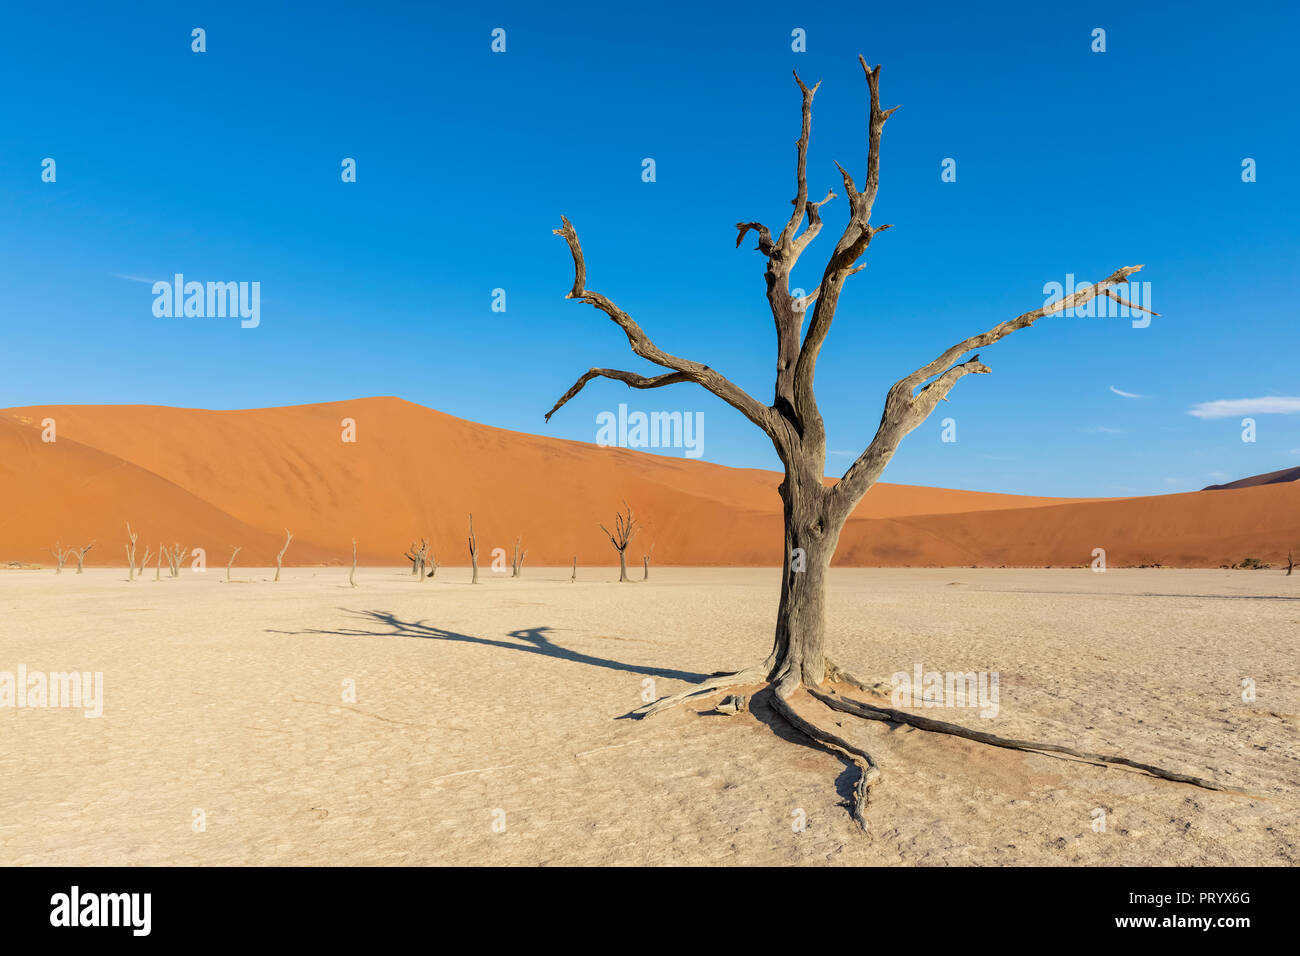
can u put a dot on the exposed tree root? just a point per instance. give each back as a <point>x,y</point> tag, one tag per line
<point>888,714</point>
<point>869,770</point>
<point>783,686</point>
<point>750,675</point>
<point>837,674</point>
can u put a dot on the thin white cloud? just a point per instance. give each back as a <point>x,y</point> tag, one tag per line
<point>1092,429</point>
<point>1231,407</point>
<point>1123,394</point>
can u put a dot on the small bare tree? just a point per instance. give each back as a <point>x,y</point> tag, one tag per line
<point>130,552</point>
<point>645,564</point>
<point>814,511</point>
<point>473,551</point>
<point>624,528</point>
<point>81,556</point>
<point>174,558</point>
<point>574,576</point>
<point>61,554</point>
<point>148,552</point>
<point>157,571</point>
<point>288,536</point>
<point>517,559</point>
<point>1290,563</point>
<point>352,575</point>
<point>235,550</point>
<point>433,562</point>
<point>419,556</point>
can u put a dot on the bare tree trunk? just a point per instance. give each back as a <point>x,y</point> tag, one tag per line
<point>352,575</point>
<point>234,552</point>
<point>574,577</point>
<point>433,562</point>
<point>60,555</point>
<point>473,551</point>
<point>1290,563</point>
<point>130,553</point>
<point>288,536</point>
<point>81,556</point>
<point>157,571</point>
<point>517,559</point>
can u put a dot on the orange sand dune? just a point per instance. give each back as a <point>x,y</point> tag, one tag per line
<point>214,479</point>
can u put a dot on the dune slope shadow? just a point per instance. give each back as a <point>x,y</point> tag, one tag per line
<point>531,640</point>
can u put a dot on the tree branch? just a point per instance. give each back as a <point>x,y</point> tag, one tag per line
<point>640,343</point>
<point>858,233</point>
<point>905,408</point>
<point>631,378</point>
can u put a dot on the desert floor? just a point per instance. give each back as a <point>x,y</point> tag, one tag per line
<point>477,706</point>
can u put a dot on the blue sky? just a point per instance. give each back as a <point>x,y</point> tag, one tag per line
<point>225,166</point>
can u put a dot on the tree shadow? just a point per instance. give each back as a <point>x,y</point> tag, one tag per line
<point>531,640</point>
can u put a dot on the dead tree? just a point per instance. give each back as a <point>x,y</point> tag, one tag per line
<point>130,552</point>
<point>415,554</point>
<point>148,552</point>
<point>235,551</point>
<point>288,536</point>
<point>517,558</point>
<point>574,576</point>
<point>624,529</point>
<point>61,555</point>
<point>814,512</point>
<point>645,564</point>
<point>433,562</point>
<point>174,558</point>
<point>1290,563</point>
<point>157,573</point>
<point>81,556</point>
<point>473,551</point>
<point>352,575</point>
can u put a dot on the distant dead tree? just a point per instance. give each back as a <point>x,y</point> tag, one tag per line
<point>61,554</point>
<point>174,558</point>
<point>235,551</point>
<point>815,511</point>
<point>517,559</point>
<point>1290,563</point>
<point>81,556</point>
<point>645,564</point>
<point>145,563</point>
<point>130,552</point>
<point>433,562</point>
<point>418,555</point>
<point>473,550</point>
<point>624,529</point>
<point>574,576</point>
<point>352,575</point>
<point>288,536</point>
